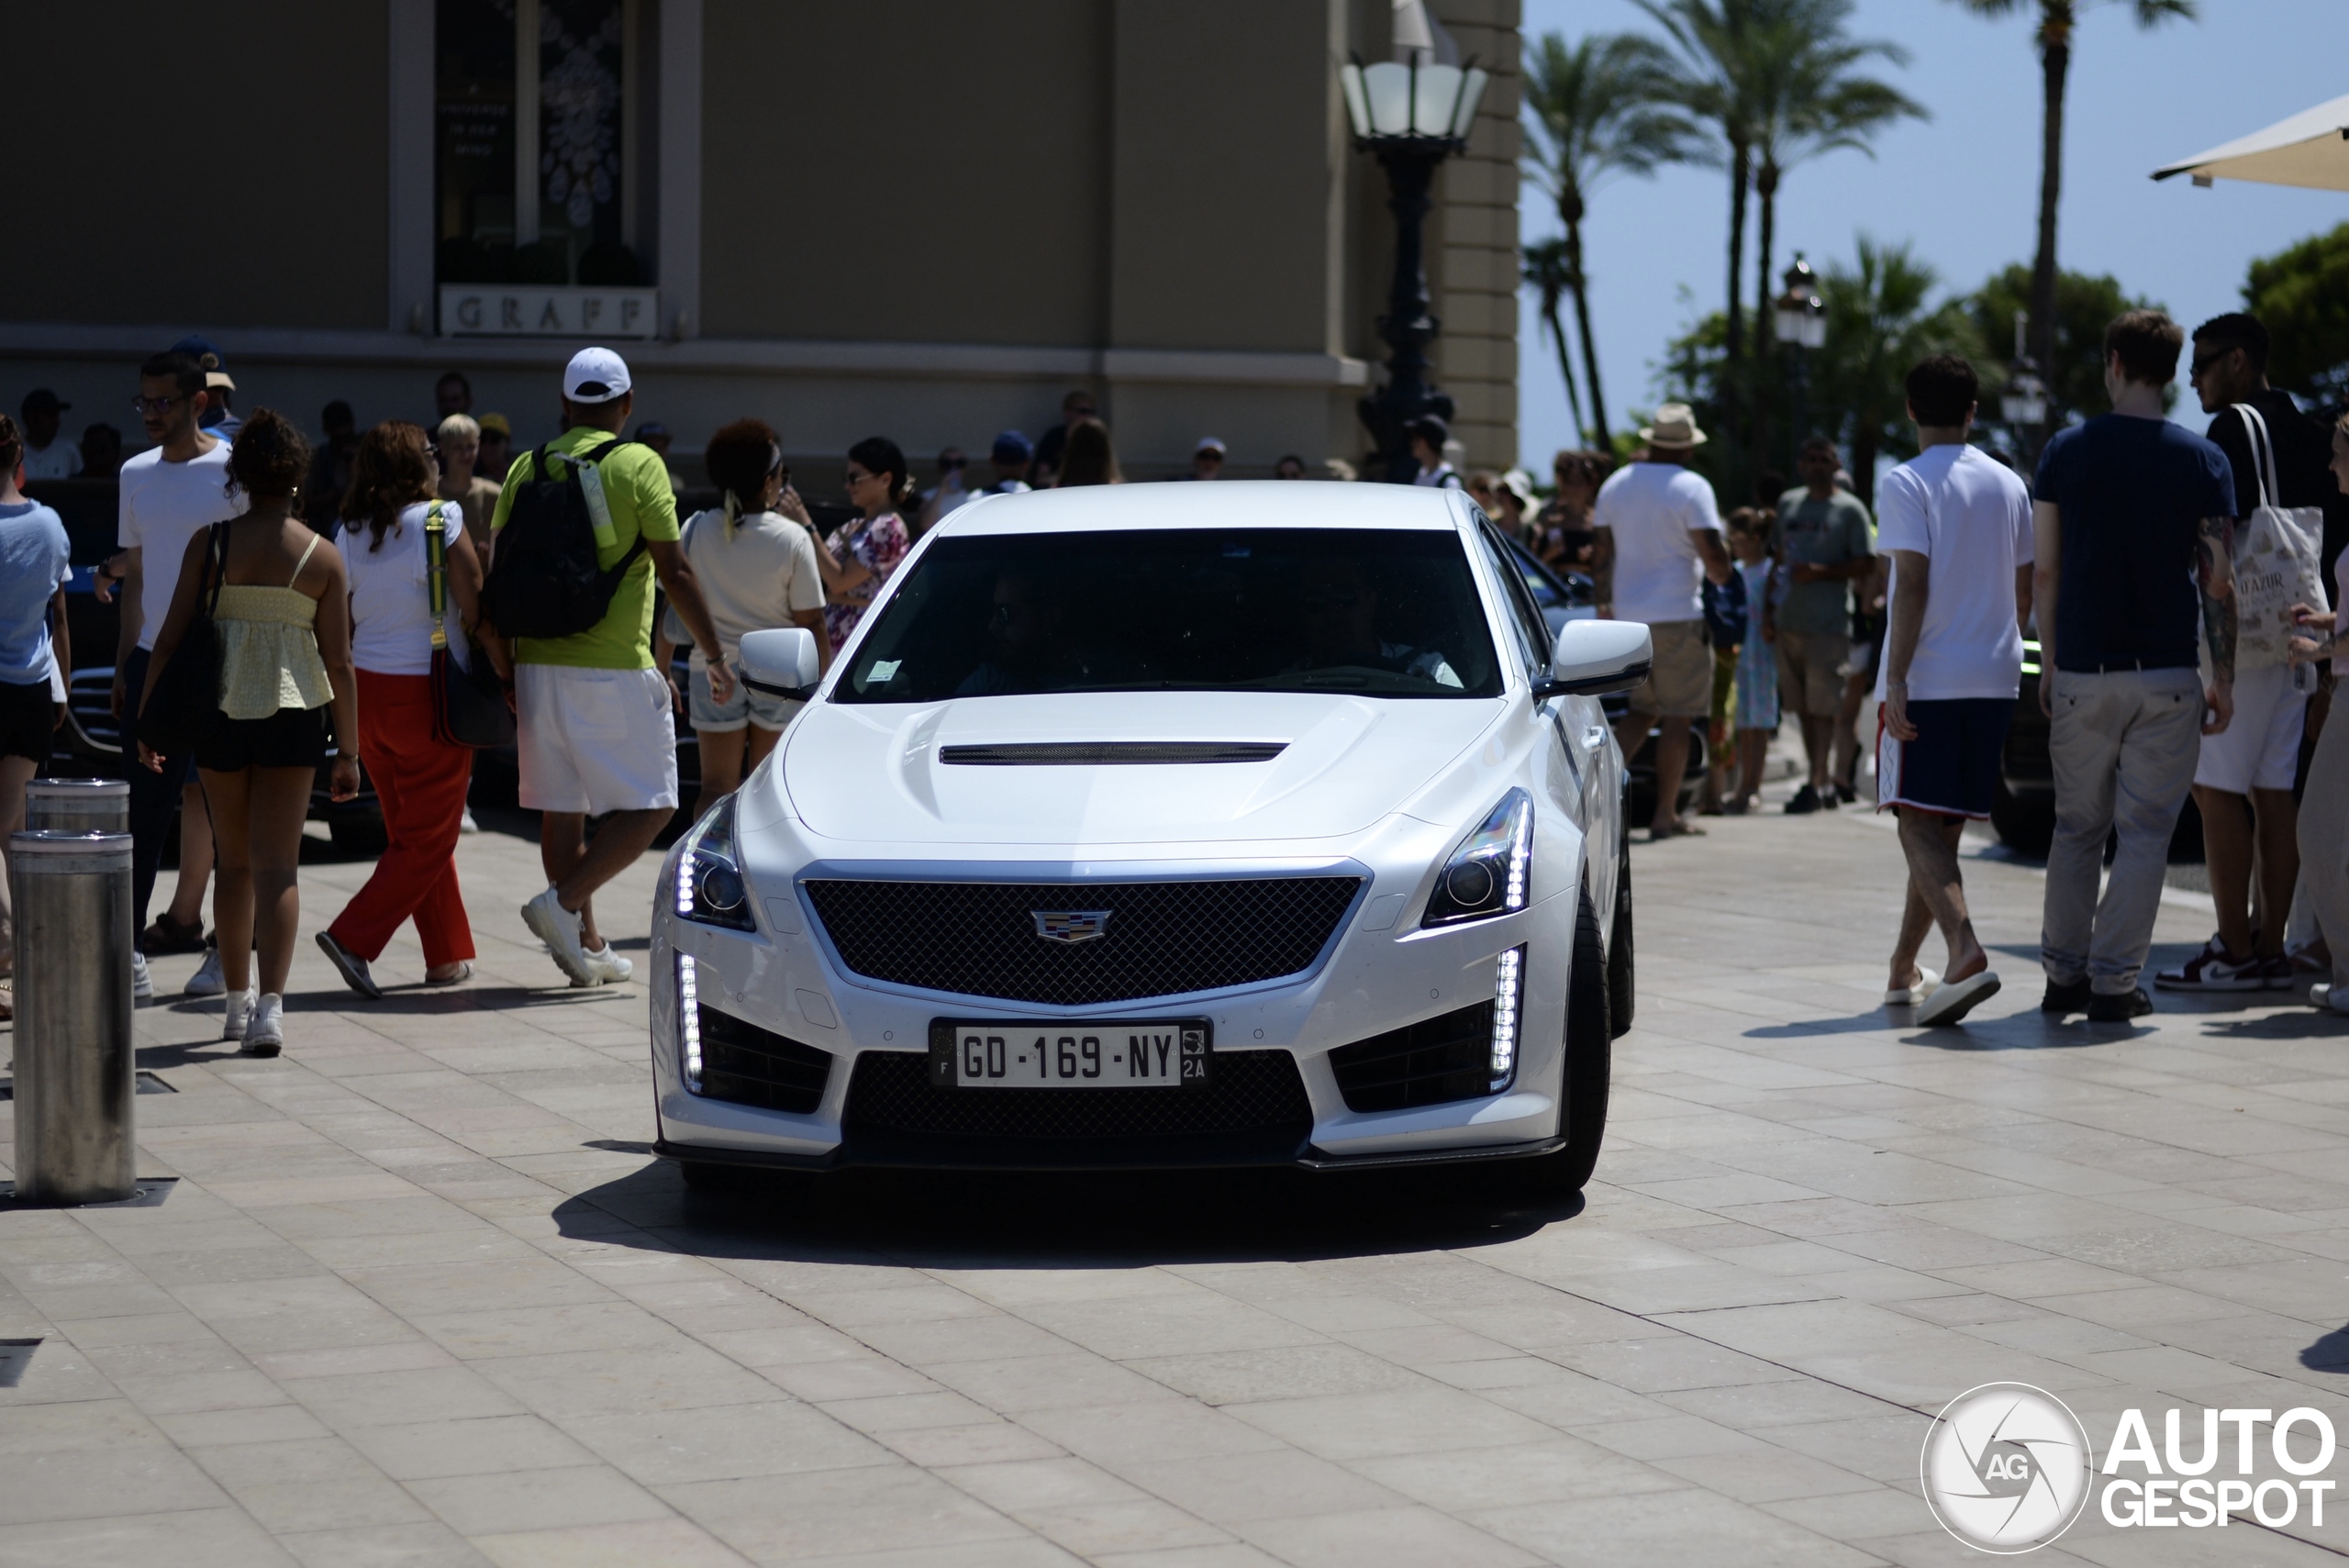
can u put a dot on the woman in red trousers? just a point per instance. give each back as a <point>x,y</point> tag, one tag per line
<point>420,779</point>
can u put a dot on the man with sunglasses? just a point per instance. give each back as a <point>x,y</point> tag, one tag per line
<point>2243,777</point>
<point>170,493</point>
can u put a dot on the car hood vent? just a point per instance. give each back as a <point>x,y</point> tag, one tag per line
<point>1110,753</point>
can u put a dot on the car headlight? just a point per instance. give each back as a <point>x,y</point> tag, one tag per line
<point>1509,993</point>
<point>688,1022</point>
<point>709,873</point>
<point>1488,874</point>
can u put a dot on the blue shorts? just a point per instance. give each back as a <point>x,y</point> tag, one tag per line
<point>748,706</point>
<point>1951,767</point>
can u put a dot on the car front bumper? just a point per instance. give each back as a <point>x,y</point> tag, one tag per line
<point>783,979</point>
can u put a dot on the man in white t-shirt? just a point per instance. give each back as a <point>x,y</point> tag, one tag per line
<point>1956,526</point>
<point>1659,536</point>
<point>170,493</point>
<point>46,455</point>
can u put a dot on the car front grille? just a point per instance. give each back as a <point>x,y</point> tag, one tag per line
<point>1160,938</point>
<point>746,1065</point>
<point>1254,1098</point>
<point>1428,1063</point>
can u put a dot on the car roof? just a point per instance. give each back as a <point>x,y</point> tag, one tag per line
<point>1218,504</point>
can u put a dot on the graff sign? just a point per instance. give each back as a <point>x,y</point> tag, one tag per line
<point>493,310</point>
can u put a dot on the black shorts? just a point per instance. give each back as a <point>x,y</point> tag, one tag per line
<point>1952,765</point>
<point>290,738</point>
<point>27,721</point>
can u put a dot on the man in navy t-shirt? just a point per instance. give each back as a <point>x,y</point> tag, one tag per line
<point>2131,517</point>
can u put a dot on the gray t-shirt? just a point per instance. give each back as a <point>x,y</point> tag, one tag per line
<point>1823,533</point>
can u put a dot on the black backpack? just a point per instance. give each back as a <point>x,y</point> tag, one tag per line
<point>543,580</point>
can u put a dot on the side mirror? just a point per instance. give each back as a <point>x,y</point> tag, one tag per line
<point>780,662</point>
<point>1592,657</point>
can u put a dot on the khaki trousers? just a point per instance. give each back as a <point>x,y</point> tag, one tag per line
<point>2325,838</point>
<point>2124,744</point>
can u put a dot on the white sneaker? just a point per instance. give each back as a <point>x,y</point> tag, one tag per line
<point>465,823</point>
<point>607,967</point>
<point>2335,997</point>
<point>142,984</point>
<point>265,1030</point>
<point>242,1005</point>
<point>559,928</point>
<point>207,981</point>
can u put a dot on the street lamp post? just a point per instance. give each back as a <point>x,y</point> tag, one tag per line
<point>2024,402</point>
<point>1410,118</point>
<point>1800,320</point>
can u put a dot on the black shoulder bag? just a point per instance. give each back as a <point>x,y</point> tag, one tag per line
<point>184,708</point>
<point>468,704</point>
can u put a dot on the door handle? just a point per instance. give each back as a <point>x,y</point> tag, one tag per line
<point>1595,737</point>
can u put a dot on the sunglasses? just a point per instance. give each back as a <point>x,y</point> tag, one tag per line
<point>2204,362</point>
<point>156,405</point>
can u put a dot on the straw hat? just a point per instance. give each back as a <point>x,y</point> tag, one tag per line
<point>1675,425</point>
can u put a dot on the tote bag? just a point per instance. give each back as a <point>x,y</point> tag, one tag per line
<point>468,704</point>
<point>2277,559</point>
<point>184,708</point>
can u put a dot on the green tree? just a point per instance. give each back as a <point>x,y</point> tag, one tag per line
<point>2058,20</point>
<point>1595,111</point>
<point>1546,269</point>
<point>1881,320</point>
<point>2302,295</point>
<point>2073,362</point>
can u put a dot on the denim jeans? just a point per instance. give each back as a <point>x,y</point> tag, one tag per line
<point>153,796</point>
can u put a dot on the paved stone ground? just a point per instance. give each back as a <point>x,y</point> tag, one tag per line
<point>419,1296</point>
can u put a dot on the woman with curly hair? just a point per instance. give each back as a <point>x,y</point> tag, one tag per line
<point>862,554</point>
<point>283,617</point>
<point>755,556</point>
<point>388,513</point>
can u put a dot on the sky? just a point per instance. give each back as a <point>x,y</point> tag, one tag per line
<point>1963,187</point>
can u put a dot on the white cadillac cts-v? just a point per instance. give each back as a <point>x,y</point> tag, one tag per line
<point>1166,824</point>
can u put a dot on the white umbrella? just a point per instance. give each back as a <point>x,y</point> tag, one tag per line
<point>2310,148</point>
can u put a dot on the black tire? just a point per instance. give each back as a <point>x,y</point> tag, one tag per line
<point>362,837</point>
<point>1550,1178</point>
<point>1622,997</point>
<point>2025,825</point>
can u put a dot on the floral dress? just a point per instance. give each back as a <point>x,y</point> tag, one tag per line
<point>878,544</point>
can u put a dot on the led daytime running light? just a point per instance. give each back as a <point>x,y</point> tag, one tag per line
<point>1521,857</point>
<point>1508,992</point>
<point>689,1023</point>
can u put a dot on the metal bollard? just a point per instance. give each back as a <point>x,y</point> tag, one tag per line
<point>78,806</point>
<point>75,1065</point>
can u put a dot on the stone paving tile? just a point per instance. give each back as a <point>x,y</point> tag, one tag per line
<point>419,1298</point>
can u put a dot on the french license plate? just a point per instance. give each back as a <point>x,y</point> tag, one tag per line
<point>991,1055</point>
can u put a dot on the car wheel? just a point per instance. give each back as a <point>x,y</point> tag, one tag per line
<point>1621,997</point>
<point>1550,1177</point>
<point>363,838</point>
<point>2026,826</point>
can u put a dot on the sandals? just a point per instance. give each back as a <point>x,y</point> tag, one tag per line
<point>350,966</point>
<point>464,973</point>
<point>1928,980</point>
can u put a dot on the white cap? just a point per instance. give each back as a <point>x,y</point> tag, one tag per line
<point>594,375</point>
<point>1207,444</point>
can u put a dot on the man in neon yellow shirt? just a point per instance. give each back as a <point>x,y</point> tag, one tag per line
<point>595,732</point>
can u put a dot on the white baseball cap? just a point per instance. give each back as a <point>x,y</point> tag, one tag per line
<point>594,375</point>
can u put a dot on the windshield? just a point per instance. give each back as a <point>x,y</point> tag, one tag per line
<point>1378,612</point>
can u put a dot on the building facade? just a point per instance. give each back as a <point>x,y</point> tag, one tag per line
<point>911,217</point>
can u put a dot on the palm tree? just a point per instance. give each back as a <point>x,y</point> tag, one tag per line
<point>1880,322</point>
<point>1597,112</point>
<point>2057,18</point>
<point>1809,102</point>
<point>1546,269</point>
<point>1712,81</point>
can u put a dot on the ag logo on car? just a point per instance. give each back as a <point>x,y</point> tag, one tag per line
<point>2006,1467</point>
<point>1071,925</point>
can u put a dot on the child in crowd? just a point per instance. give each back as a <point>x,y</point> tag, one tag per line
<point>1757,668</point>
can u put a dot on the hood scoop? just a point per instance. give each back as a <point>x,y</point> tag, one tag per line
<point>1110,753</point>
